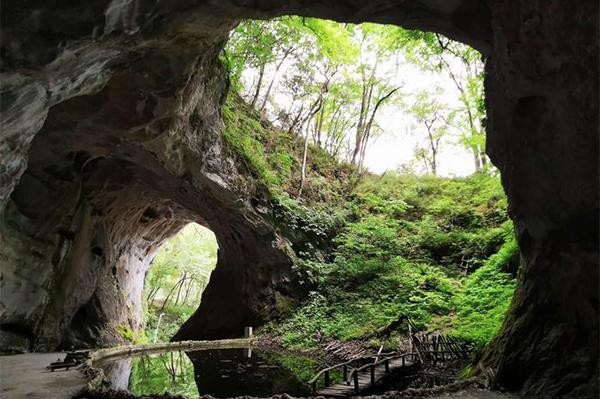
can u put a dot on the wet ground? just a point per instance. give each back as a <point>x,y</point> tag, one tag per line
<point>25,377</point>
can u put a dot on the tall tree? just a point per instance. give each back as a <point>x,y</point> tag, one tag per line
<point>432,118</point>
<point>464,66</point>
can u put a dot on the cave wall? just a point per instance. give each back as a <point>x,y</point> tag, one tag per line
<point>158,59</point>
<point>116,168</point>
<point>542,94</point>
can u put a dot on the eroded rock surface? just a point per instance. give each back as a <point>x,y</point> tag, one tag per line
<point>110,142</point>
<point>126,156</point>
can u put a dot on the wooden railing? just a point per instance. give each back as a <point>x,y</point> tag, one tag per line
<point>440,347</point>
<point>371,366</point>
<point>353,375</point>
<point>426,348</point>
<point>326,372</point>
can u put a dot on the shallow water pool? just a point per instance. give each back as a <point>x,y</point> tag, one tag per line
<point>216,372</point>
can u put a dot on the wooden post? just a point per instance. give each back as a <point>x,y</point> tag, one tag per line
<point>403,361</point>
<point>314,386</point>
<point>372,374</point>
<point>248,353</point>
<point>345,373</point>
<point>356,389</point>
<point>247,332</point>
<point>387,365</point>
<point>327,380</point>
<point>410,336</point>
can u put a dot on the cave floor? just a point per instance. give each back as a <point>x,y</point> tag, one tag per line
<point>25,376</point>
<point>462,394</point>
<point>475,394</point>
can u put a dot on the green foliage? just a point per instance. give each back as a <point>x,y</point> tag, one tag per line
<point>274,157</point>
<point>171,372</point>
<point>131,336</point>
<point>485,297</point>
<point>244,136</point>
<point>173,318</point>
<point>176,279</point>
<point>417,246</point>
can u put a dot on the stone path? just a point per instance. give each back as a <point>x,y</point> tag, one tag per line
<point>25,377</point>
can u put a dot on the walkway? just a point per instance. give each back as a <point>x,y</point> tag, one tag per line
<point>25,377</point>
<point>366,376</point>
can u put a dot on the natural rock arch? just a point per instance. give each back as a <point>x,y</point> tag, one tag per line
<point>154,65</point>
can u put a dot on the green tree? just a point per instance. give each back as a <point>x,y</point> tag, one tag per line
<point>433,118</point>
<point>464,66</point>
<point>181,268</point>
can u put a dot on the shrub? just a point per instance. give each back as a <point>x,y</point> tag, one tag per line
<point>485,297</point>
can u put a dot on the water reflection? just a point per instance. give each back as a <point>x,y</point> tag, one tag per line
<point>220,373</point>
<point>118,373</point>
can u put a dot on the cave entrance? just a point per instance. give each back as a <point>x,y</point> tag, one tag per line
<point>404,111</point>
<point>176,279</point>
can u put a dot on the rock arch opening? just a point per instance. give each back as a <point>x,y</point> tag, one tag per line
<point>94,204</point>
<point>176,279</point>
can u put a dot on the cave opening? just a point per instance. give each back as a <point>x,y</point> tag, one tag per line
<point>176,279</point>
<point>406,110</point>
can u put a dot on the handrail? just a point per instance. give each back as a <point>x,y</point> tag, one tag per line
<point>354,372</point>
<point>346,363</point>
<point>347,377</point>
<point>385,358</point>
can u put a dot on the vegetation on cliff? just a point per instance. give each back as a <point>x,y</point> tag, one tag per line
<point>430,248</point>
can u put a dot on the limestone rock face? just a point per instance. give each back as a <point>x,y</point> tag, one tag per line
<point>120,137</point>
<point>542,94</point>
<point>110,141</point>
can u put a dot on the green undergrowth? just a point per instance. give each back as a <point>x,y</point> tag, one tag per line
<point>172,319</point>
<point>274,157</point>
<point>130,336</point>
<point>434,249</point>
<point>439,250</point>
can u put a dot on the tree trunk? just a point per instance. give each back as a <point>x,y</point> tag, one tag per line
<point>476,159</point>
<point>359,126</point>
<point>303,169</point>
<point>277,68</point>
<point>180,287</point>
<point>169,295</point>
<point>319,125</point>
<point>261,74</point>
<point>296,120</point>
<point>367,130</point>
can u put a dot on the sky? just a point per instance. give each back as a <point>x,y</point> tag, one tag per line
<point>396,145</point>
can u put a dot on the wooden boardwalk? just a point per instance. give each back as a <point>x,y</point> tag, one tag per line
<point>364,378</point>
<point>361,373</point>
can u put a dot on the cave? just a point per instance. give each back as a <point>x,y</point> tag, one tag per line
<point>110,142</point>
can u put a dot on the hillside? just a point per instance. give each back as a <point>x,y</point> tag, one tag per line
<point>439,250</point>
